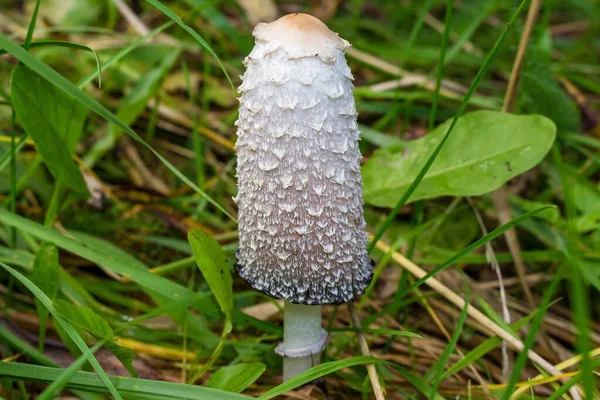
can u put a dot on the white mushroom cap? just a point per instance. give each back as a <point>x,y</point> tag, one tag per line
<point>301,224</point>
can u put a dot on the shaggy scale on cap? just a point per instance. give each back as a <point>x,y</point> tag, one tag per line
<point>301,224</point>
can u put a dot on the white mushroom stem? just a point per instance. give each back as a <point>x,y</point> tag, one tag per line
<point>303,339</point>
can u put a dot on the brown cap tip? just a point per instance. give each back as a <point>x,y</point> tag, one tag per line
<point>301,35</point>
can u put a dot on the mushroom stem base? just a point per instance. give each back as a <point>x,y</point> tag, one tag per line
<point>303,339</point>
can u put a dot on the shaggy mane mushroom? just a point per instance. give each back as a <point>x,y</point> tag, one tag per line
<point>301,224</point>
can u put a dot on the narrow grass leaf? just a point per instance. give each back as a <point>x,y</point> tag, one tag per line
<point>560,392</point>
<point>31,27</point>
<point>477,244</point>
<point>390,332</point>
<point>441,63</point>
<point>440,364</point>
<point>46,276</point>
<point>63,379</point>
<point>6,158</point>
<point>419,383</point>
<point>123,52</point>
<point>317,372</point>
<point>10,339</point>
<point>235,378</point>
<point>486,346</point>
<point>132,105</point>
<point>67,327</point>
<point>72,45</point>
<point>132,388</point>
<point>532,335</point>
<point>416,28</point>
<point>177,19</point>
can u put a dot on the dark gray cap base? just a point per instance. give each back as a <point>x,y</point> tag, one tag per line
<point>359,289</point>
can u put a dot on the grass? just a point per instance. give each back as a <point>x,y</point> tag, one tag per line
<point>125,255</point>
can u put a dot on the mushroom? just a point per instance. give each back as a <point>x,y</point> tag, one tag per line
<point>301,223</point>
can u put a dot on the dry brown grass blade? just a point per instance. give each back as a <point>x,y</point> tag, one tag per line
<point>394,70</point>
<point>439,26</point>
<point>484,321</point>
<point>364,349</point>
<point>500,196</point>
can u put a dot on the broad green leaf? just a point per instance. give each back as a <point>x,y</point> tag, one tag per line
<point>486,149</point>
<point>436,151</point>
<point>131,388</point>
<point>317,372</point>
<point>46,276</point>
<point>85,318</point>
<point>235,378</point>
<point>54,121</point>
<point>211,261</point>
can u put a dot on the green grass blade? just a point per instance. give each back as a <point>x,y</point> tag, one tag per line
<point>487,346</point>
<point>115,262</point>
<point>6,158</point>
<point>475,245</point>
<point>579,289</point>
<point>441,63</point>
<point>123,52</point>
<point>131,388</point>
<point>390,332</point>
<point>559,393</point>
<point>62,83</point>
<point>530,338</point>
<point>478,78</point>
<point>63,379</point>
<point>440,364</point>
<point>32,22</point>
<point>414,32</point>
<point>13,173</point>
<point>72,45</point>
<point>177,19</point>
<point>10,339</point>
<point>317,372</point>
<point>66,326</point>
